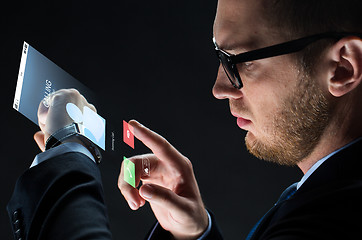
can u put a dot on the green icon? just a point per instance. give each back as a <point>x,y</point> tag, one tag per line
<point>129,172</point>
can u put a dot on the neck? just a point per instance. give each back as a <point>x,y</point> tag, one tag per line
<point>342,130</point>
<point>323,149</point>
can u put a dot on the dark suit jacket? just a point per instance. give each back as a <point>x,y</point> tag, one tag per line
<point>61,198</point>
<point>327,206</point>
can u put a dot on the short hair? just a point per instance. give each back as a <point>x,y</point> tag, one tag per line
<point>298,18</point>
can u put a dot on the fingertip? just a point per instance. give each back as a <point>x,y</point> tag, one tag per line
<point>134,123</point>
<point>134,206</point>
<point>92,107</point>
<point>36,135</point>
<point>131,195</point>
<point>146,191</point>
<point>135,127</point>
<point>143,202</point>
<point>39,139</point>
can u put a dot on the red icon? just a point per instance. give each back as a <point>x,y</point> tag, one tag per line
<point>128,137</point>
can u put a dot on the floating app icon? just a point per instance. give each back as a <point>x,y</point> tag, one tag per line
<point>129,172</point>
<point>128,136</point>
<point>146,166</point>
<point>90,123</point>
<point>74,112</point>
<point>94,127</point>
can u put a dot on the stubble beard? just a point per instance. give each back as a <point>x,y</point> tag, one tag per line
<point>297,128</point>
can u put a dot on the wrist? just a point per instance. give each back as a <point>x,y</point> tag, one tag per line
<point>61,135</point>
<point>71,133</point>
<point>200,229</point>
<point>75,139</point>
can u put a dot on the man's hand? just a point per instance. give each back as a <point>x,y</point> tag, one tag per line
<point>169,186</point>
<point>55,116</point>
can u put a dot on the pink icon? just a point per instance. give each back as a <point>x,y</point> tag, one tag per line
<point>128,137</point>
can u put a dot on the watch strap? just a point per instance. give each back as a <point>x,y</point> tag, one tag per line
<point>60,135</point>
<point>72,130</point>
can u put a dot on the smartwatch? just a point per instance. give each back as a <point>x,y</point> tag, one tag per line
<point>70,131</point>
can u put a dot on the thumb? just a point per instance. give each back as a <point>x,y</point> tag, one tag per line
<point>39,139</point>
<point>43,112</point>
<point>163,197</point>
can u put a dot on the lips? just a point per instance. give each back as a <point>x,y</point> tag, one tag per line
<point>241,122</point>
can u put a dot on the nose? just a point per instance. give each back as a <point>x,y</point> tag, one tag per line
<point>223,88</point>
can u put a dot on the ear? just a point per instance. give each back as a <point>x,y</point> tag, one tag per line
<point>346,73</point>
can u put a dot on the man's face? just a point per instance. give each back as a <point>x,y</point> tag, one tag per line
<point>281,107</point>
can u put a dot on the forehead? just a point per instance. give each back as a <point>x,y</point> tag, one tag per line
<point>239,24</point>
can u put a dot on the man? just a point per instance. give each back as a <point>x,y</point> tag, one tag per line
<point>300,103</point>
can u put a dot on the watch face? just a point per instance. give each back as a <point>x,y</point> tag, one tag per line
<point>91,125</point>
<point>94,127</point>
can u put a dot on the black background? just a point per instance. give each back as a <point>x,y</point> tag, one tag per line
<point>148,60</point>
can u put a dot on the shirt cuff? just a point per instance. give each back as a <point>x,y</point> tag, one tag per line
<point>59,150</point>
<point>208,227</point>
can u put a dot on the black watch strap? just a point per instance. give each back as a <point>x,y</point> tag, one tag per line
<point>62,134</point>
<point>72,130</point>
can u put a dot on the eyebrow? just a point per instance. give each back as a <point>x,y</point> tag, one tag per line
<point>232,47</point>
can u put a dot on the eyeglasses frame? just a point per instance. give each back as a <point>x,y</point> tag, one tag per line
<point>273,51</point>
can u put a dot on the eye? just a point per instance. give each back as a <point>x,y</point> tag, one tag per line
<point>248,65</point>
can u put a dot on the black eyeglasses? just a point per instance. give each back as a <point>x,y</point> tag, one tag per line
<point>229,61</point>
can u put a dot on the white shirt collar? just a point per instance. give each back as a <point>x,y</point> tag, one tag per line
<point>317,164</point>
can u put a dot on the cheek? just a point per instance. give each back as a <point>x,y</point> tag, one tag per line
<point>265,116</point>
<point>271,83</point>
<point>263,101</point>
<point>265,105</point>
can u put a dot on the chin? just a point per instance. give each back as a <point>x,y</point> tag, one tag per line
<point>270,151</point>
<point>251,139</point>
<point>252,144</point>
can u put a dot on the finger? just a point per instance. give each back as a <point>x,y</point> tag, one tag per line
<point>43,112</point>
<point>92,107</point>
<point>130,193</point>
<point>149,169</point>
<point>144,165</point>
<point>39,139</point>
<point>165,198</point>
<point>78,99</point>
<point>158,145</point>
<point>64,96</point>
<point>45,105</point>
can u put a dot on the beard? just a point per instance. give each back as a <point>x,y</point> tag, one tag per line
<point>297,128</point>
